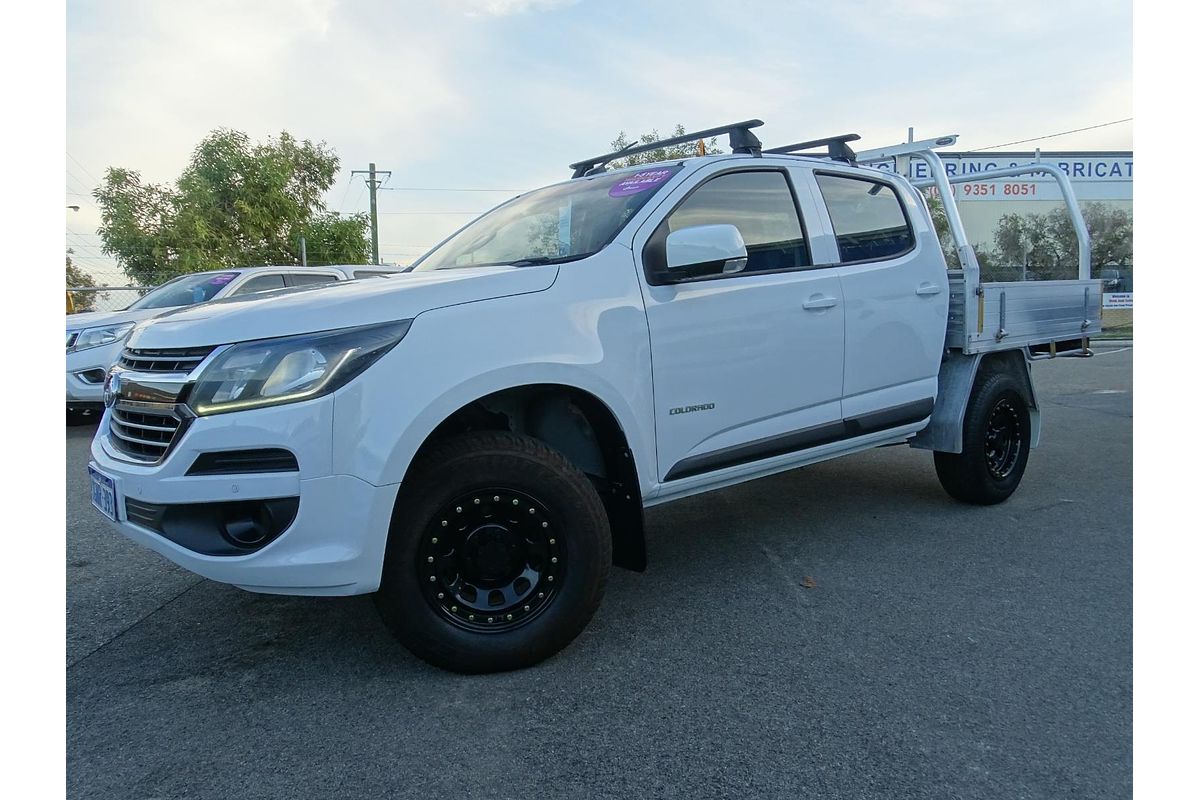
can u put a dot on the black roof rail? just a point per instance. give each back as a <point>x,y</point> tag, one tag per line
<point>838,149</point>
<point>741,140</point>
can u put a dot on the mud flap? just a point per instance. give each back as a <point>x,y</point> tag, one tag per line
<point>956,379</point>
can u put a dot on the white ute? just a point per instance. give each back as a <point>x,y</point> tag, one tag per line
<point>475,441</point>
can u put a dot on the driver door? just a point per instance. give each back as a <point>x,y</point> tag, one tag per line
<point>748,365</point>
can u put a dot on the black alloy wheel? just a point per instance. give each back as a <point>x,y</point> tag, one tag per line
<point>1002,439</point>
<point>490,560</point>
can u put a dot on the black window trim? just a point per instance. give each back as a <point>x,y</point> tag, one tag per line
<point>654,240</point>
<point>912,234</point>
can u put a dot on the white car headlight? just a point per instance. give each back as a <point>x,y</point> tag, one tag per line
<point>99,336</point>
<point>271,372</point>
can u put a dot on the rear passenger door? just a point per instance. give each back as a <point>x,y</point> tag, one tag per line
<point>746,365</point>
<point>896,294</point>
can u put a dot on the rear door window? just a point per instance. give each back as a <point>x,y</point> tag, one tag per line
<point>260,283</point>
<point>310,278</point>
<point>868,219</point>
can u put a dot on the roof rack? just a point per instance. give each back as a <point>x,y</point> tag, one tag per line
<point>838,150</point>
<point>741,140</point>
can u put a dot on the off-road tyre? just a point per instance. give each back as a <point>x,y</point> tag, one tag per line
<point>996,436</point>
<point>477,509</point>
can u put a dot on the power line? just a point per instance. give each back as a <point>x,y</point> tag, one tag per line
<point>1053,135</point>
<point>349,183</point>
<point>434,213</point>
<point>85,169</point>
<point>431,189</point>
<point>79,182</point>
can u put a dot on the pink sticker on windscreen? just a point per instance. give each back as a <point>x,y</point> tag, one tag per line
<point>640,182</point>
<point>222,279</point>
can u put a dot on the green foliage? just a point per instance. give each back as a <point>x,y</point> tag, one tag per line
<point>342,236</point>
<point>662,153</point>
<point>941,224</point>
<point>1046,243</point>
<point>78,302</point>
<point>75,275</point>
<point>1043,244</point>
<point>236,204</point>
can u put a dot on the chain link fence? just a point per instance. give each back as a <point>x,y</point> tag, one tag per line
<point>81,299</point>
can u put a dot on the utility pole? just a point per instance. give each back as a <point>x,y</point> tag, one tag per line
<point>373,183</point>
<point>303,252</point>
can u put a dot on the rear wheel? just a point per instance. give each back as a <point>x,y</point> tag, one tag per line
<point>497,557</point>
<point>995,444</point>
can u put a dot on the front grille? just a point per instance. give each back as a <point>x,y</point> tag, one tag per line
<point>145,435</point>
<point>174,360</point>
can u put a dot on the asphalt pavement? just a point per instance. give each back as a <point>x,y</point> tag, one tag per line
<point>840,631</point>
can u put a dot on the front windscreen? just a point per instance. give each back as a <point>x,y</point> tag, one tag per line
<point>186,291</point>
<point>564,222</point>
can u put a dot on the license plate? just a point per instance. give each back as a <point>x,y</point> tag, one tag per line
<point>104,494</point>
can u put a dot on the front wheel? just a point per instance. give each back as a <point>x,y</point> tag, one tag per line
<point>498,554</point>
<point>995,444</point>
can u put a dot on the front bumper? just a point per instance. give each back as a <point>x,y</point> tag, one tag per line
<point>84,367</point>
<point>334,545</point>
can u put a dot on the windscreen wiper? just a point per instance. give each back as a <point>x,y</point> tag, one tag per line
<point>533,261</point>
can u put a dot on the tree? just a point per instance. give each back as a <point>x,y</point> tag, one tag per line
<point>662,153</point>
<point>79,302</point>
<point>1009,238</point>
<point>75,275</point>
<point>235,204</point>
<point>1046,243</point>
<point>941,224</point>
<point>1110,230</point>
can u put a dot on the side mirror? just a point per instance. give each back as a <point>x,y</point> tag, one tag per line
<point>704,250</point>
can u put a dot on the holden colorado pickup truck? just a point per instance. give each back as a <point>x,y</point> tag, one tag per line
<point>475,441</point>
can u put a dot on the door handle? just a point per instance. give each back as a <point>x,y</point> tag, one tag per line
<point>928,289</point>
<point>820,301</point>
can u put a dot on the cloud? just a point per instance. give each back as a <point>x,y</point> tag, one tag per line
<point>447,96</point>
<point>505,8</point>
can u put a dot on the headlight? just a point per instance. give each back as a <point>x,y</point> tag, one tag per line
<point>271,372</point>
<point>96,337</point>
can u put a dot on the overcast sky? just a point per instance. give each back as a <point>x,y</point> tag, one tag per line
<point>503,94</point>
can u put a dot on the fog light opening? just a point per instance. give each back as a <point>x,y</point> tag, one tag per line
<point>246,525</point>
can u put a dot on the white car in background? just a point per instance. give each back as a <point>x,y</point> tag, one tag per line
<point>94,339</point>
